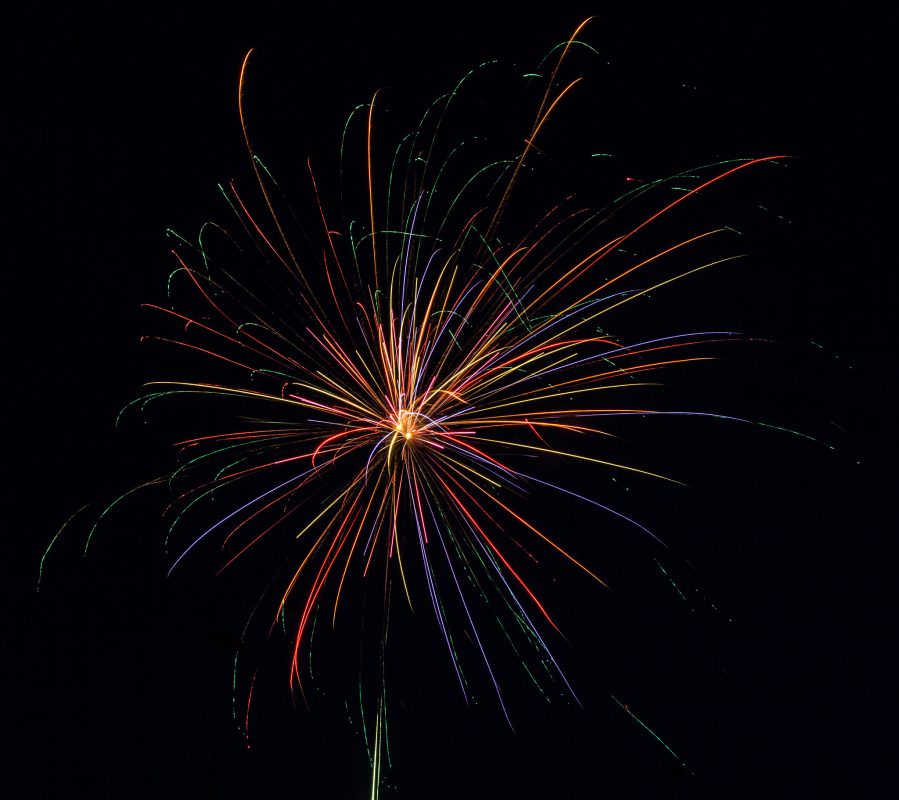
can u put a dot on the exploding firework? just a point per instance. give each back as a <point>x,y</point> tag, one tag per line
<point>393,385</point>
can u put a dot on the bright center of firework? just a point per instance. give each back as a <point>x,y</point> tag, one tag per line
<point>404,424</point>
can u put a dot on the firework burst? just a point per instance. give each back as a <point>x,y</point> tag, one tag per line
<point>405,377</point>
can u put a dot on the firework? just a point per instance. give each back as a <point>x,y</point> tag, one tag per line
<point>392,384</point>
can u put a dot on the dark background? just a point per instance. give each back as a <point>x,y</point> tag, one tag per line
<point>773,677</point>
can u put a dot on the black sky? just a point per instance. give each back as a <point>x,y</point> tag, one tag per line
<point>775,678</point>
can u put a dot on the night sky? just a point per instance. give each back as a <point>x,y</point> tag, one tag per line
<point>769,669</point>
